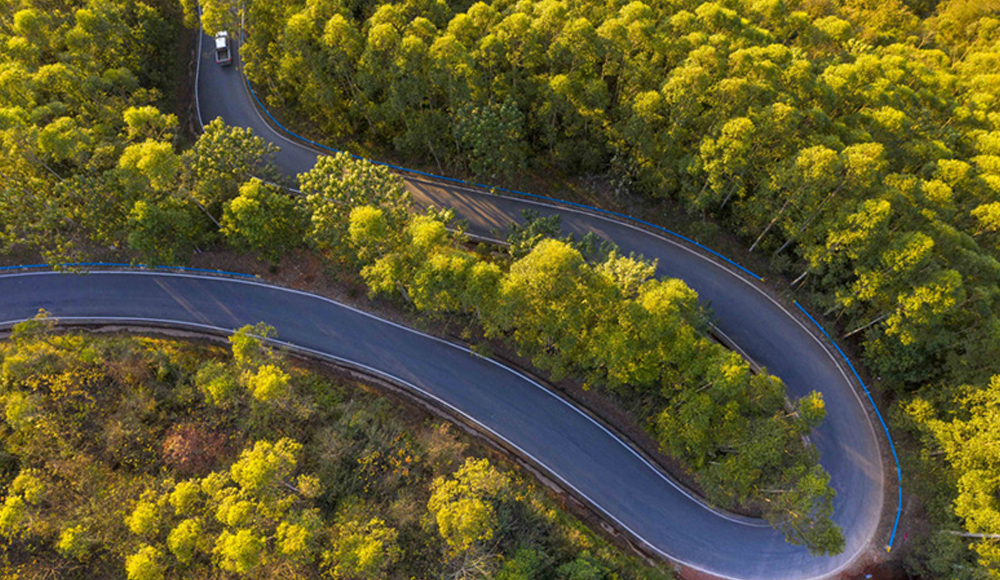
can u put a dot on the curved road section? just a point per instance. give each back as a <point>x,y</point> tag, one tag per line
<point>544,428</point>
<point>562,441</point>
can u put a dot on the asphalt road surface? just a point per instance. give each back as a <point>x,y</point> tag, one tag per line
<point>559,439</point>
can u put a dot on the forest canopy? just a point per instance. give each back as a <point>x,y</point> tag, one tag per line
<point>855,145</point>
<point>162,201</point>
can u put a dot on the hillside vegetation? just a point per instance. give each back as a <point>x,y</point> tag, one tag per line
<point>148,459</point>
<point>92,157</point>
<point>855,144</point>
<point>607,321</point>
<point>131,186</point>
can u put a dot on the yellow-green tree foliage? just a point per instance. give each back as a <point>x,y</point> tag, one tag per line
<point>854,145</point>
<point>125,465</point>
<point>363,550</point>
<point>464,506</point>
<point>338,184</point>
<point>265,219</point>
<point>81,136</point>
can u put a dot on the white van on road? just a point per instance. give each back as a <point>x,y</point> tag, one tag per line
<point>223,52</point>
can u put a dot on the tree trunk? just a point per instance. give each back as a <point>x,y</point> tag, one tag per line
<point>45,165</point>
<point>205,210</point>
<point>873,322</point>
<point>971,535</point>
<point>770,225</point>
<point>815,214</point>
<point>437,161</point>
<point>404,293</point>
<point>732,189</point>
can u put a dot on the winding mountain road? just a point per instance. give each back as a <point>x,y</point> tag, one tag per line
<point>559,439</point>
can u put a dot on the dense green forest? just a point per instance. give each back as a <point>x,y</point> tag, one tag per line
<point>855,144</point>
<point>91,158</point>
<point>148,459</point>
<point>79,84</point>
<point>133,183</point>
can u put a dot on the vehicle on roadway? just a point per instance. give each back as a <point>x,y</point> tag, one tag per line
<point>223,51</point>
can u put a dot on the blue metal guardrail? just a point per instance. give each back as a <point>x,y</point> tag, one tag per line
<point>130,266</point>
<point>892,446</point>
<point>899,473</point>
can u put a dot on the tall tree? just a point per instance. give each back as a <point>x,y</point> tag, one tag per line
<point>264,219</point>
<point>337,185</point>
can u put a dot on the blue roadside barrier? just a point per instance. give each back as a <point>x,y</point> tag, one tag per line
<point>892,446</point>
<point>128,266</point>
